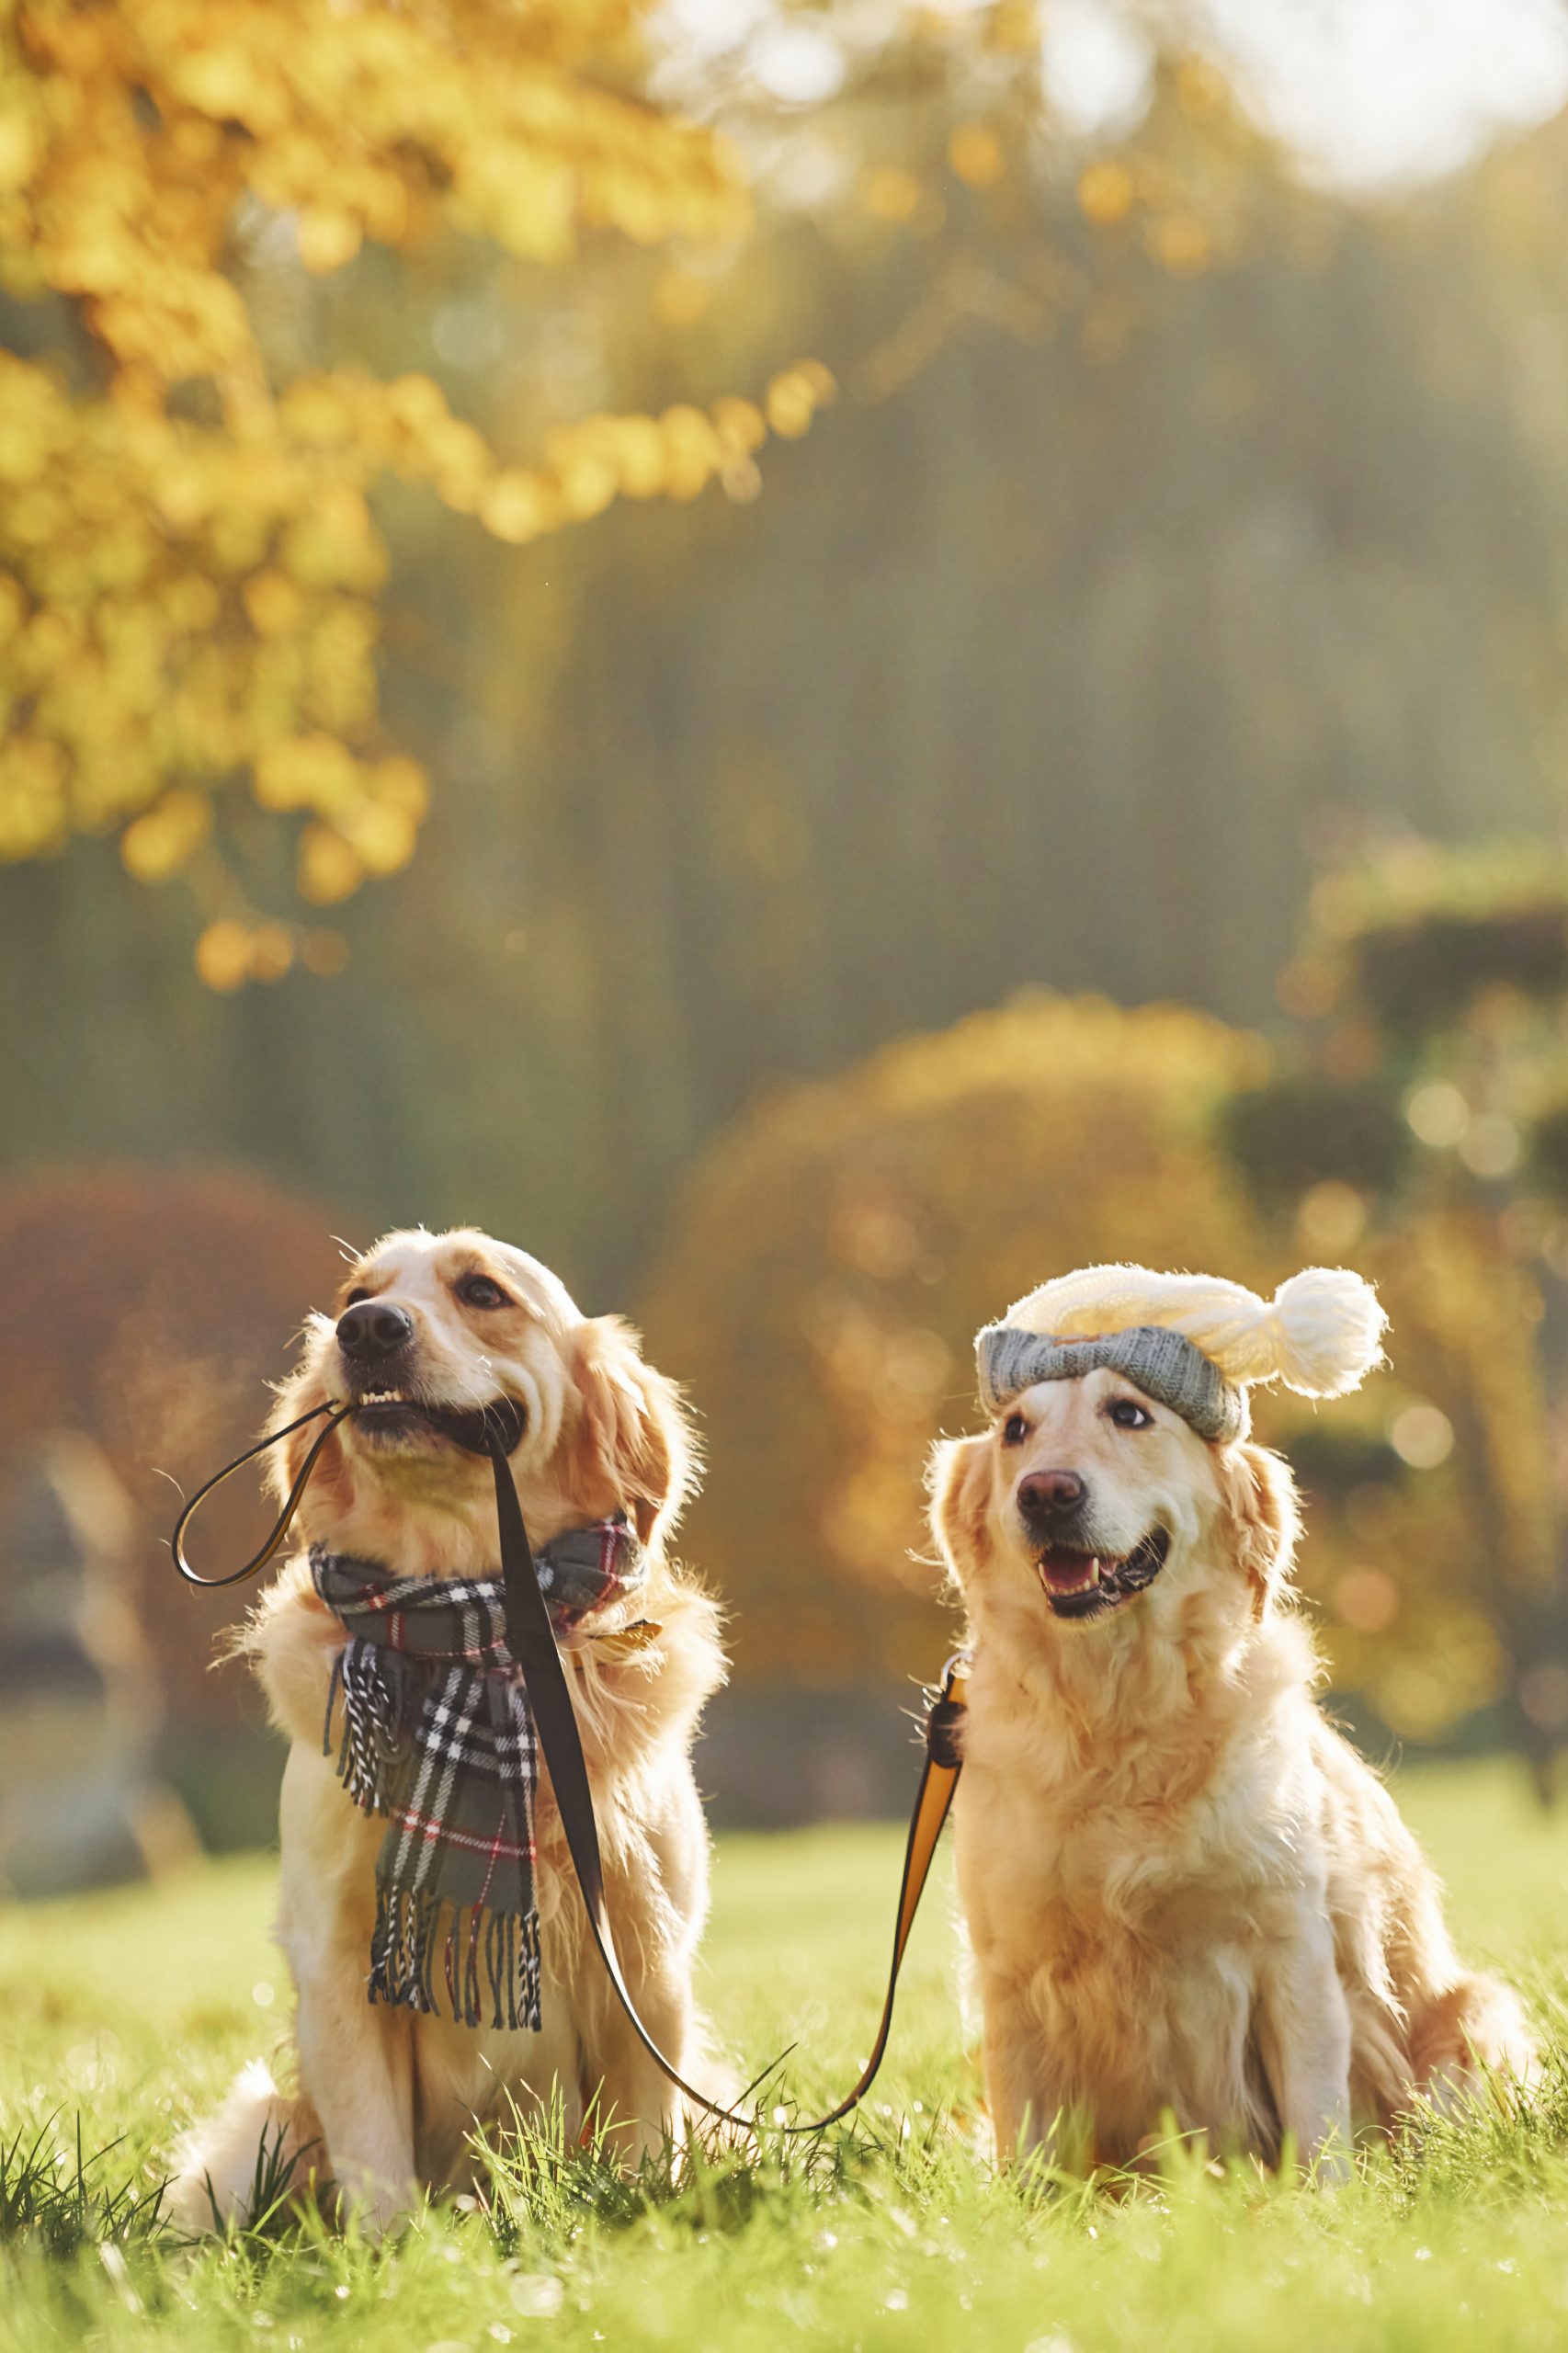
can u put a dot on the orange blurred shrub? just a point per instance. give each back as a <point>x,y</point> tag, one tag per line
<point>836,1251</point>
<point>149,1308</point>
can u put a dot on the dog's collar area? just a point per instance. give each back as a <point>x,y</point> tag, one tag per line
<point>1106,1584</point>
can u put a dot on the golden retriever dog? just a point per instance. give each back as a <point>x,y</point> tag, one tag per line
<point>1184,1895</point>
<point>388,2097</point>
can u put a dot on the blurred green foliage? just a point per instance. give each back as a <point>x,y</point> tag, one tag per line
<point>1307,1128</point>
<point>1175,522</point>
<point>1416,1114</point>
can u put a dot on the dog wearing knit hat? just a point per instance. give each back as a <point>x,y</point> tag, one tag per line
<point>1184,1895</point>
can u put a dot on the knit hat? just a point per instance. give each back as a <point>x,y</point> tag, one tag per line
<point>1193,1341</point>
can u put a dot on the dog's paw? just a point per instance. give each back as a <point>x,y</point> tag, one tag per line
<point>376,2207</point>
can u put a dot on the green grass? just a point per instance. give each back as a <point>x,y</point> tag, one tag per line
<point>121,2014</point>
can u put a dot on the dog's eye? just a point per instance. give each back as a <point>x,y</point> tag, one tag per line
<point>478,1290</point>
<point>355,1295</point>
<point>1015,1429</point>
<point>1128,1414</point>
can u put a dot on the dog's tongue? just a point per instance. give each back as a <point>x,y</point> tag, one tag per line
<point>1068,1571</point>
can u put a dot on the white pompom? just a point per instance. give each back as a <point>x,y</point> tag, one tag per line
<point>1328,1328</point>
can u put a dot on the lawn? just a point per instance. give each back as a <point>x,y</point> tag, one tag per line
<point>126,2011</point>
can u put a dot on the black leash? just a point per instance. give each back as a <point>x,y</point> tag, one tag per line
<point>259,1559</point>
<point>494,1431</point>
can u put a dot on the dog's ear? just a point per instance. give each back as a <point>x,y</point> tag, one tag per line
<point>960,1481</point>
<point>629,1445</point>
<point>1259,1499</point>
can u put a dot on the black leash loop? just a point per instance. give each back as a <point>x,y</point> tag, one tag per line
<point>292,1504</point>
<point>475,1431</point>
<point>494,1431</point>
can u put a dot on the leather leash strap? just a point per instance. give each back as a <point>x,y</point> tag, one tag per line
<point>531,1639</point>
<point>274,1541</point>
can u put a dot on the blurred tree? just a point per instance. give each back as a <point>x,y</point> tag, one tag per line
<point>188,564</point>
<point>1053,663</point>
<point>834,1251</point>
<point>1130,566</point>
<point>1419,1114</point>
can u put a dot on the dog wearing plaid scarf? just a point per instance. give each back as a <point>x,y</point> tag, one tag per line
<point>440,1956</point>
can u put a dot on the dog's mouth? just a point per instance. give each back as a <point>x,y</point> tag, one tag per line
<point>389,1419</point>
<point>392,1421</point>
<point>1079,1585</point>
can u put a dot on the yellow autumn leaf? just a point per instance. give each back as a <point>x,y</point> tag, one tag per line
<point>328,868</point>
<point>791,404</point>
<point>975,154</point>
<point>381,833</point>
<point>190,542</point>
<point>222,954</point>
<point>890,193</point>
<point>516,506</point>
<point>272,951</point>
<point>162,840</point>
<point>1106,192</point>
<point>326,239</point>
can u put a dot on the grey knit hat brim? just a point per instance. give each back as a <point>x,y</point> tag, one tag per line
<point>1165,1365</point>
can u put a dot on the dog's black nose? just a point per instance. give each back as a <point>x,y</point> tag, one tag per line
<point>372,1328</point>
<point>1050,1494</point>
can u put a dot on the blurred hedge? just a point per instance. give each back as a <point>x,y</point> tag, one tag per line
<point>149,1308</point>
<point>837,1249</point>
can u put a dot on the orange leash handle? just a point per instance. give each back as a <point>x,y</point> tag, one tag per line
<point>938,1783</point>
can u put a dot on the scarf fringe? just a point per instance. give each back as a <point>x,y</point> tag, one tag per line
<point>485,1956</point>
<point>373,1735</point>
<point>433,1734</point>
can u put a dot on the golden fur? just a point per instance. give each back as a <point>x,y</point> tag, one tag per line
<point>1184,1895</point>
<point>387,2100</point>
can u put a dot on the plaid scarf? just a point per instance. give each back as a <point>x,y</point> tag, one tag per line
<point>438,1736</point>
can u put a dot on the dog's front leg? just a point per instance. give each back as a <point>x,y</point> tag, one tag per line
<point>631,2095</point>
<point>1303,2037</point>
<point>657,1889</point>
<point>1019,2079</point>
<point>356,2061</point>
